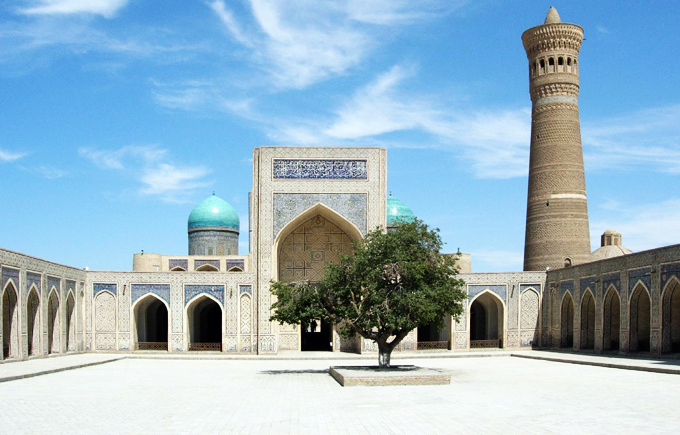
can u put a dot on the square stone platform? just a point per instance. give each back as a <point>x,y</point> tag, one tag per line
<point>348,376</point>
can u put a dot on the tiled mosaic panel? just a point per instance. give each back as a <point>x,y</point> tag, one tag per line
<point>105,341</point>
<point>214,263</point>
<point>245,314</point>
<point>9,273</point>
<point>235,263</point>
<point>191,291</point>
<point>160,290</point>
<point>529,309</point>
<point>644,274</point>
<point>33,279</point>
<point>105,312</point>
<point>320,169</point>
<point>668,271</point>
<point>173,263</point>
<point>53,282</point>
<point>307,250</point>
<point>611,279</point>
<point>177,342</point>
<point>99,287</point>
<point>230,343</point>
<point>245,289</point>
<point>499,290</point>
<point>351,206</point>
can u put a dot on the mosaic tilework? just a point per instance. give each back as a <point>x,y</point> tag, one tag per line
<point>184,264</point>
<point>70,284</point>
<point>320,169</point>
<point>176,307</point>
<point>611,279</point>
<point>529,309</point>
<point>33,279</point>
<point>160,290</point>
<point>230,343</point>
<point>668,271</point>
<point>245,314</point>
<point>191,291</point>
<point>214,263</point>
<point>124,341</point>
<point>567,286</point>
<point>232,313</point>
<point>499,290</point>
<point>235,263</point>
<point>351,206</point>
<point>537,286</point>
<point>99,287</point>
<point>177,342</point>
<point>9,273</point>
<point>589,282</point>
<point>105,312</point>
<point>245,289</point>
<point>53,282</point>
<point>644,274</point>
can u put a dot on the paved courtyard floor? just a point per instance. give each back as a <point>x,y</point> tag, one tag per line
<point>487,395</point>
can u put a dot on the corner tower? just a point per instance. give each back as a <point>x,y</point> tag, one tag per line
<point>557,232</point>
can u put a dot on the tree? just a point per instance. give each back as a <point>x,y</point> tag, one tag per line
<point>393,282</point>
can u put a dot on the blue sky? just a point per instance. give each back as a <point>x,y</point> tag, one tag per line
<point>118,116</point>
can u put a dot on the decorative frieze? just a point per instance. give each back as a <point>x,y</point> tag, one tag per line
<point>320,169</point>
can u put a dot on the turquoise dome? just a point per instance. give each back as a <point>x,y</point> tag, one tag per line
<point>398,212</point>
<point>213,212</point>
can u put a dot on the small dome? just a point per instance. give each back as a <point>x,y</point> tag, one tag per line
<point>398,212</point>
<point>213,212</point>
<point>552,17</point>
<point>609,251</point>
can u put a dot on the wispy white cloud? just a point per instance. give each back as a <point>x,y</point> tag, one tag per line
<point>602,29</point>
<point>642,226</point>
<point>150,165</point>
<point>301,42</point>
<point>114,159</point>
<point>10,156</point>
<point>50,172</point>
<point>648,138</point>
<point>105,8</point>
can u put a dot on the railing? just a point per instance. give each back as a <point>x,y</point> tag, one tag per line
<point>206,346</point>
<point>431,345</point>
<point>151,345</point>
<point>484,344</point>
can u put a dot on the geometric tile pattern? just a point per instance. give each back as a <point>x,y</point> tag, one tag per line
<point>320,169</point>
<point>160,290</point>
<point>191,291</point>
<point>99,287</point>
<point>351,206</point>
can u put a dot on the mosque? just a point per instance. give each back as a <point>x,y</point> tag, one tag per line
<point>308,205</point>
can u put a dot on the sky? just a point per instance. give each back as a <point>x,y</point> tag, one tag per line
<point>118,116</point>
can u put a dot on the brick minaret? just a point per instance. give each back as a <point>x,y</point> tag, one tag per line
<point>557,232</point>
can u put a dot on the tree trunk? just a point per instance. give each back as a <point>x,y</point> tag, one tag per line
<point>384,353</point>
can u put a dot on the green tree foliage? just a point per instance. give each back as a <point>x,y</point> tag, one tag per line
<point>392,283</point>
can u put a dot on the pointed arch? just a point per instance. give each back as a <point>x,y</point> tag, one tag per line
<point>487,320</point>
<point>326,212</point>
<point>10,321</point>
<point>207,268</point>
<point>151,323</point>
<point>611,315</point>
<point>639,307</point>
<point>33,321</point>
<point>178,269</point>
<point>204,323</point>
<point>567,321</point>
<point>235,269</point>
<point>670,316</point>
<point>70,319</point>
<point>587,320</point>
<point>105,316</point>
<point>53,322</point>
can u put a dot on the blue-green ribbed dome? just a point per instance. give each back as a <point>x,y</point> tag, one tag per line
<point>213,212</point>
<point>398,212</point>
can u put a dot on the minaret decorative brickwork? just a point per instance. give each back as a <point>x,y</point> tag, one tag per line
<point>557,232</point>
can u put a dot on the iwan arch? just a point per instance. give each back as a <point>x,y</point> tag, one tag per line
<point>307,206</point>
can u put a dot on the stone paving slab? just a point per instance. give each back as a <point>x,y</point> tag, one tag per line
<point>371,376</point>
<point>656,365</point>
<point>14,370</point>
<point>487,395</point>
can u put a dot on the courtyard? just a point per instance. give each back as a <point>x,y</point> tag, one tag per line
<point>500,394</point>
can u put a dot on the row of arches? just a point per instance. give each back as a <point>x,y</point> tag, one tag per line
<point>639,319</point>
<point>553,64</point>
<point>10,322</point>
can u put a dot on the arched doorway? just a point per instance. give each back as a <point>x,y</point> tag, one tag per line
<point>204,317</point>
<point>612,320</point>
<point>567,322</point>
<point>70,323</point>
<point>588,321</point>
<point>53,322</point>
<point>486,321</point>
<point>33,322</point>
<point>303,253</point>
<point>10,323</point>
<point>640,320</point>
<point>671,317</point>
<point>430,337</point>
<point>151,323</point>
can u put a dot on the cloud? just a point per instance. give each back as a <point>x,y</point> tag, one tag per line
<point>105,8</point>
<point>49,172</point>
<point>9,156</point>
<point>647,138</point>
<point>601,29</point>
<point>113,159</point>
<point>151,167</point>
<point>301,42</point>
<point>643,226</point>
